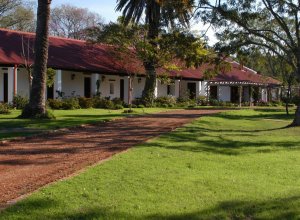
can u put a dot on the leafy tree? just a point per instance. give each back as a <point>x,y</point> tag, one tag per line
<point>271,24</point>
<point>158,14</point>
<point>17,16</point>
<point>174,49</point>
<point>37,107</point>
<point>268,63</point>
<point>72,22</point>
<point>7,5</point>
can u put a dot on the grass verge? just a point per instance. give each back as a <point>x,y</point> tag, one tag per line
<point>234,165</point>
<point>11,126</point>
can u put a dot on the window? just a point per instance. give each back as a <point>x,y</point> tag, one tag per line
<point>111,89</point>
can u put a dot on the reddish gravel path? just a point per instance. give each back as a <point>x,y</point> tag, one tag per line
<point>26,165</point>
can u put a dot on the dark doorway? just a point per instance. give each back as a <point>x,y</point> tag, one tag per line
<point>192,90</point>
<point>87,87</point>
<point>122,89</point>
<point>234,94</point>
<point>50,92</point>
<point>213,92</point>
<point>255,94</point>
<point>5,87</point>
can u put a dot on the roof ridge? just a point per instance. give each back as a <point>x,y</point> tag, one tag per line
<point>50,36</point>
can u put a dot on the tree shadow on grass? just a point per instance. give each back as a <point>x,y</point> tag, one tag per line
<point>233,130</point>
<point>226,142</point>
<point>276,208</point>
<point>263,115</point>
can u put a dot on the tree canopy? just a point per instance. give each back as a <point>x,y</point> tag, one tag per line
<point>72,22</point>
<point>17,15</point>
<point>270,24</point>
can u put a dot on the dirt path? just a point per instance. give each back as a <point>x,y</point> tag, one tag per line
<point>26,165</point>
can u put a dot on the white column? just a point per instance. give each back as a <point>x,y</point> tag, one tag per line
<point>57,83</point>
<point>204,88</point>
<point>15,78</point>
<point>1,85</point>
<point>126,89</point>
<point>177,88</point>
<point>95,78</point>
<point>264,94</point>
<point>198,88</point>
<point>10,84</point>
<point>156,89</point>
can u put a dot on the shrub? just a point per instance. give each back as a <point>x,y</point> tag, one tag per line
<point>127,111</point>
<point>103,103</point>
<point>118,106</point>
<point>164,105</point>
<point>55,103</point>
<point>4,108</point>
<point>185,101</point>
<point>165,101</point>
<point>19,102</point>
<point>296,100</point>
<point>141,106</point>
<point>263,103</point>
<point>201,100</point>
<point>137,101</point>
<point>70,104</point>
<point>85,102</point>
<point>118,101</point>
<point>277,103</point>
<point>214,102</point>
<point>246,104</point>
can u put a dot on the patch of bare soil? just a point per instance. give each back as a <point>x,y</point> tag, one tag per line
<point>26,165</point>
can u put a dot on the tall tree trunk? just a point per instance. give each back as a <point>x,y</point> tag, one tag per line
<point>37,106</point>
<point>288,97</point>
<point>150,84</point>
<point>296,121</point>
<point>153,17</point>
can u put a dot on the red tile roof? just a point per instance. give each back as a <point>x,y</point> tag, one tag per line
<point>67,54</point>
<point>77,55</point>
<point>238,73</point>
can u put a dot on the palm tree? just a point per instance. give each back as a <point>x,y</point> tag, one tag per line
<point>37,106</point>
<point>158,14</point>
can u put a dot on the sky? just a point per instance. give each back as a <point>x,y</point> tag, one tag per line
<point>106,8</point>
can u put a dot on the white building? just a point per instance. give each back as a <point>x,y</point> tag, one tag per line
<point>83,70</point>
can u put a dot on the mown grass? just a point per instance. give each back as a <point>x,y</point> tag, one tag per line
<point>11,126</point>
<point>234,165</point>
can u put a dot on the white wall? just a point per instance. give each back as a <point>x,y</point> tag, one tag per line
<point>184,89</point>
<point>95,77</point>
<point>10,72</point>
<point>162,90</point>
<point>138,87</point>
<point>10,84</point>
<point>73,87</point>
<point>246,93</point>
<point>23,83</point>
<point>224,93</point>
<point>1,84</point>
<point>275,94</point>
<point>203,91</point>
<point>105,86</point>
<point>264,94</point>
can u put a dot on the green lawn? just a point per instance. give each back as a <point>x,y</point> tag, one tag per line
<point>10,126</point>
<point>235,165</point>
